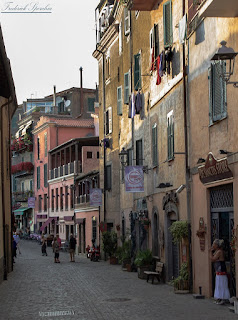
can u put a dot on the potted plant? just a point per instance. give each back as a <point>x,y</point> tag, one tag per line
<point>181,283</point>
<point>109,240</point>
<point>124,255</point>
<point>143,261</point>
<point>179,231</point>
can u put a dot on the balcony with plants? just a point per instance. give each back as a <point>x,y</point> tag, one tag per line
<point>23,144</point>
<point>22,196</point>
<point>22,169</point>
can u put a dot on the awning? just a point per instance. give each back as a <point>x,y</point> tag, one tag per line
<point>68,218</point>
<point>26,127</point>
<point>80,221</point>
<point>20,211</point>
<point>46,223</point>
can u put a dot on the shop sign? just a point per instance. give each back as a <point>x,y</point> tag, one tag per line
<point>31,202</point>
<point>134,179</point>
<point>214,170</point>
<point>95,197</point>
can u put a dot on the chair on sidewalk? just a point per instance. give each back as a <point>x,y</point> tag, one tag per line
<point>155,274</point>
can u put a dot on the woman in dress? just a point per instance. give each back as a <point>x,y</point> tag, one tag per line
<point>217,257</point>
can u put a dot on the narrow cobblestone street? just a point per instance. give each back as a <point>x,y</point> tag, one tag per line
<point>85,290</point>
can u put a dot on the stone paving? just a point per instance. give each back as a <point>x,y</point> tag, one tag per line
<point>39,288</point>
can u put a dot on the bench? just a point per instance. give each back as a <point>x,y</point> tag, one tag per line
<point>155,274</point>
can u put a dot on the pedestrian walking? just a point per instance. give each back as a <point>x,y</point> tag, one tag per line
<point>56,249</point>
<point>14,250</point>
<point>43,246</point>
<point>17,239</point>
<point>59,240</point>
<point>72,246</point>
<point>218,258</point>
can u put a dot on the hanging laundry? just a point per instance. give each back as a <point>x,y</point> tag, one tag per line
<point>158,81</point>
<point>142,111</point>
<point>152,68</point>
<point>182,29</point>
<point>131,112</point>
<point>161,65</point>
<point>168,58</point>
<point>138,103</point>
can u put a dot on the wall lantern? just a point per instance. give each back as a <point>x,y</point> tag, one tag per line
<point>123,155</point>
<point>225,62</point>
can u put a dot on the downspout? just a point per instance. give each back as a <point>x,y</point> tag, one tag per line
<point>187,170</point>
<point>104,147</point>
<point>3,201</point>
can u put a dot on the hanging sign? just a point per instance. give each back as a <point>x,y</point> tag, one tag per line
<point>134,179</point>
<point>214,170</point>
<point>31,202</point>
<point>95,197</point>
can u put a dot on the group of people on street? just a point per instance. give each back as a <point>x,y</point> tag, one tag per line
<point>56,245</point>
<point>15,245</point>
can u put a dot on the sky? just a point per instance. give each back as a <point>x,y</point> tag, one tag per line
<point>47,49</point>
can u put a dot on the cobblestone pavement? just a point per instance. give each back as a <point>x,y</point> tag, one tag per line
<point>85,290</point>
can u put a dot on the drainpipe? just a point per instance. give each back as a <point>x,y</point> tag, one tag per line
<point>187,171</point>
<point>104,148</point>
<point>3,200</point>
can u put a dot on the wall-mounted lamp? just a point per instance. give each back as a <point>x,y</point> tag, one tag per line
<point>180,188</point>
<point>123,155</point>
<point>225,70</point>
<point>201,160</point>
<point>164,185</point>
<point>224,152</point>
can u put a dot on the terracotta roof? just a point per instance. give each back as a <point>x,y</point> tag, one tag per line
<point>75,123</point>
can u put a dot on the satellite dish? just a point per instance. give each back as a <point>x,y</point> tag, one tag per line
<point>67,103</point>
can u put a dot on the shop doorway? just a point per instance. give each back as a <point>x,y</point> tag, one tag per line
<point>222,225</point>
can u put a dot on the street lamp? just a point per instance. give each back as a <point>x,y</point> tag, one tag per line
<point>123,157</point>
<point>225,69</point>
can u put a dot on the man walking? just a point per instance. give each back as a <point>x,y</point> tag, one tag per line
<point>72,246</point>
<point>17,240</point>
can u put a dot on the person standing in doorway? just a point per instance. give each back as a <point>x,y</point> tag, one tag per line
<point>72,246</point>
<point>217,256</point>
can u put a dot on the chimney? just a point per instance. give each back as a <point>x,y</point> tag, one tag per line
<point>81,91</point>
<point>81,77</point>
<point>54,97</point>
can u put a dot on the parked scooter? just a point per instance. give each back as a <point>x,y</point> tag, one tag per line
<point>94,254</point>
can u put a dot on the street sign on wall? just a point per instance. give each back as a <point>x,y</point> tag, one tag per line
<point>95,197</point>
<point>134,179</point>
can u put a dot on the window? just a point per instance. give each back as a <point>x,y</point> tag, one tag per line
<point>94,228</point>
<point>108,121</point>
<point>66,197</point>
<point>120,38</point>
<point>14,184</point>
<point>108,177</point>
<point>97,154</point>
<point>91,104</point>
<point>56,199</point>
<point>154,146</point>
<point>119,100</point>
<point>154,42</point>
<point>139,153</point>
<point>89,155</point>
<point>45,202</point>
<point>40,204</point>
<point>126,87</point>
<point>22,186</point>
<point>46,148</point>
<point>217,93</point>
<point>52,200</point>
<point>45,175</point>
<point>38,148</point>
<point>170,130</point>
<point>126,21</point>
<point>31,185</point>
<point>167,21</point>
<point>137,72</point>
<point>38,177</point>
<point>61,199</point>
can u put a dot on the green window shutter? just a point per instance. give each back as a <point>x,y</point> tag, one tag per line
<point>38,177</point>
<point>91,104</point>
<point>137,73</point>
<point>126,87</point>
<point>156,40</point>
<point>139,153</point>
<point>154,146</point>
<point>31,185</point>
<point>119,100</point>
<point>14,184</point>
<point>45,175</point>
<point>46,149</point>
<point>126,21</point>
<point>167,21</point>
<point>170,134</point>
<point>219,101</point>
<point>210,94</point>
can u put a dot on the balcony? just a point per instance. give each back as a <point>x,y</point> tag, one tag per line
<point>218,8</point>
<point>20,196</point>
<point>142,5</point>
<point>69,168</point>
<point>22,169</point>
